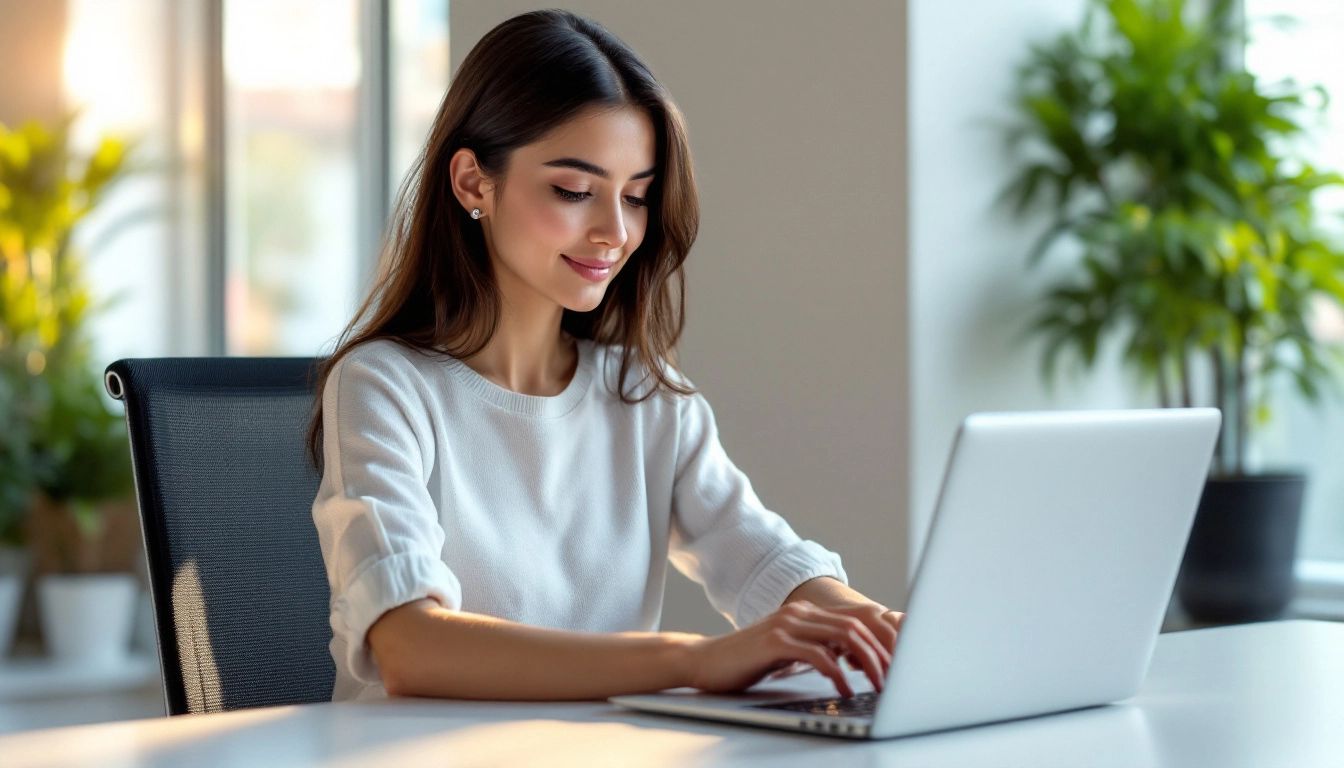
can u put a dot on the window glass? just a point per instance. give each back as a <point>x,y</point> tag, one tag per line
<point>1307,51</point>
<point>113,64</point>
<point>292,75</point>
<point>419,61</point>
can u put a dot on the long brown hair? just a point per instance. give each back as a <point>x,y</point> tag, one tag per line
<point>436,289</point>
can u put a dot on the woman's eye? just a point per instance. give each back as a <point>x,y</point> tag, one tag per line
<point>566,194</point>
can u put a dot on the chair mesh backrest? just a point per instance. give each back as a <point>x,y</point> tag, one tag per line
<point>225,491</point>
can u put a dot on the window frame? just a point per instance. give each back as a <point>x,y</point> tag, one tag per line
<point>199,27</point>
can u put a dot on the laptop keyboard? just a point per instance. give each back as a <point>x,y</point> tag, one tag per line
<point>863,704</point>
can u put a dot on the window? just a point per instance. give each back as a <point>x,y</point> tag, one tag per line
<point>419,68</point>
<point>292,79</point>
<point>114,68</point>
<point>1300,436</point>
<point>277,132</point>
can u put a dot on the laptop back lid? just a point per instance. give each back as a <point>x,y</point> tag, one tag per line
<point>1048,566</point>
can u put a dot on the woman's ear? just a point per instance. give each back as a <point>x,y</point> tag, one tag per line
<point>471,186</point>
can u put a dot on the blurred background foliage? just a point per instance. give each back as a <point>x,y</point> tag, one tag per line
<point>60,438</point>
<point>1169,171</point>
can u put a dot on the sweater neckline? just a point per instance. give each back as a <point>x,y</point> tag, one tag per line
<point>531,405</point>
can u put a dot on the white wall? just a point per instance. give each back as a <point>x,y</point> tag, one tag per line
<point>970,292</point>
<point>796,314</point>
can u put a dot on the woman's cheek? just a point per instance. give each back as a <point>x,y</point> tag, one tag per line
<point>635,230</point>
<point>556,222</point>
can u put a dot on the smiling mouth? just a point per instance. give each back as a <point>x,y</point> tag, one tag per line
<point>590,264</point>
<point>591,274</point>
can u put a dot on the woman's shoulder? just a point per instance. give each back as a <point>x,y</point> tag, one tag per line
<point>638,377</point>
<point>387,349</point>
<point>386,359</point>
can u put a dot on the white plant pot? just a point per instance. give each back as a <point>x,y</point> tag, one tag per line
<point>87,619</point>
<point>11,593</point>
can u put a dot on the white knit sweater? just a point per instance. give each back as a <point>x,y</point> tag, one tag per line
<point>551,511</point>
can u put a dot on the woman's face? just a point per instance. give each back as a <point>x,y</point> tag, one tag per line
<point>573,208</point>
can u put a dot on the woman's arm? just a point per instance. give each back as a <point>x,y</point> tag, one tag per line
<point>746,556</point>
<point>423,649</point>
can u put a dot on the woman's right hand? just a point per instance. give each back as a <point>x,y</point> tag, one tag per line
<point>798,632</point>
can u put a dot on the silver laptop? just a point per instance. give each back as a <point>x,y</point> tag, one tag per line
<point>1045,578</point>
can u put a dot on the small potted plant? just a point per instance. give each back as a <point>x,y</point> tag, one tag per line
<point>67,445</point>
<point>1169,173</point>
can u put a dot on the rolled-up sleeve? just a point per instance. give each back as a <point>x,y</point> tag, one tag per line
<point>380,533</point>
<point>747,557</point>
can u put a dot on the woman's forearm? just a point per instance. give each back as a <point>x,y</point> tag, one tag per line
<point>421,649</point>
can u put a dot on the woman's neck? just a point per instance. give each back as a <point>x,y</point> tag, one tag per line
<point>535,361</point>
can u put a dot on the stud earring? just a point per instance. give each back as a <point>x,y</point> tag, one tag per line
<point>475,213</point>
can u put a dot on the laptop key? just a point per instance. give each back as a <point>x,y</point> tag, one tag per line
<point>853,706</point>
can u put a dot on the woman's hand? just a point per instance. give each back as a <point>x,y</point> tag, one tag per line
<point>838,597</point>
<point>798,632</point>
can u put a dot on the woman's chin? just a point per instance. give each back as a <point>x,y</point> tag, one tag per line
<point>584,304</point>
<point>586,299</point>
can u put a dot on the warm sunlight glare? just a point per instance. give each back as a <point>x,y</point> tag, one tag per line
<point>291,44</point>
<point>105,58</point>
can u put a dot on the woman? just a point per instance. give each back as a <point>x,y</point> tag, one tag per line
<point>510,456</point>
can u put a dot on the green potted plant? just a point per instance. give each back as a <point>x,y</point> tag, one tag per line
<point>66,462</point>
<point>1176,196</point>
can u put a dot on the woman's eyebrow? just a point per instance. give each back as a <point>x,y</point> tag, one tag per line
<point>587,167</point>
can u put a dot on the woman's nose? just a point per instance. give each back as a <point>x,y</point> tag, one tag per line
<point>610,229</point>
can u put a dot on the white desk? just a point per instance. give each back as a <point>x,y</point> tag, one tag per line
<point>1253,695</point>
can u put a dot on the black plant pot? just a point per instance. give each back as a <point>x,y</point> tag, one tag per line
<point>1238,564</point>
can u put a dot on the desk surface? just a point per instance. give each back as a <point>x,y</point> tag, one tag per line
<point>1253,695</point>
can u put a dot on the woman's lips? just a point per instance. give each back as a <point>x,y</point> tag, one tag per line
<point>587,270</point>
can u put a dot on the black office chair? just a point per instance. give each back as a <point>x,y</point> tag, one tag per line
<point>225,492</point>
